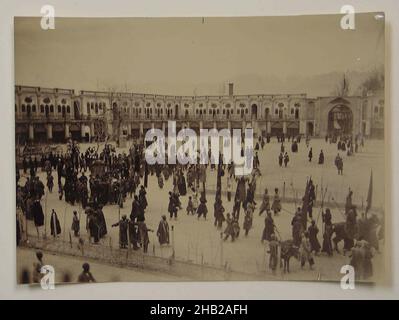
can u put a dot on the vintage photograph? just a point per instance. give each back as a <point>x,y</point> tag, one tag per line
<point>200,149</point>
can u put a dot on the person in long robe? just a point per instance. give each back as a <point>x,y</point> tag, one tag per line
<point>241,191</point>
<point>328,232</point>
<point>182,185</point>
<point>38,216</point>
<point>228,189</point>
<point>163,231</point>
<point>145,239</point>
<point>321,157</point>
<point>286,159</point>
<point>134,237</point>
<point>54,224</point>
<point>102,223</point>
<point>218,212</point>
<point>172,206</point>
<point>276,206</point>
<point>123,226</point>
<point>306,251</point>
<point>265,206</point>
<point>314,242</point>
<point>297,228</point>
<point>142,198</point>
<point>93,226</point>
<point>269,227</point>
<point>202,208</point>
<point>350,229</point>
<point>50,182</point>
<point>310,155</point>
<point>229,230</point>
<point>75,224</point>
<point>236,208</point>
<point>136,209</point>
<point>248,218</point>
<point>273,253</point>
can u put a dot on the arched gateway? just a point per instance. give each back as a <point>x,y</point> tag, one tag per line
<point>340,120</point>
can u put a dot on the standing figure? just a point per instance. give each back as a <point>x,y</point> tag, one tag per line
<point>172,206</point>
<point>248,218</point>
<point>314,242</point>
<point>123,227</point>
<point>265,206</point>
<point>190,206</point>
<point>328,232</point>
<point>310,155</point>
<point>50,182</point>
<point>75,224</point>
<point>306,251</point>
<point>228,189</point>
<point>229,230</point>
<point>339,164</point>
<point>268,231</point>
<point>54,224</point>
<point>202,208</point>
<point>38,216</point>
<point>142,198</point>
<point>276,206</point>
<point>273,251</point>
<point>163,231</point>
<point>286,159</point>
<point>144,238</point>
<point>297,227</point>
<point>218,213</point>
<point>280,159</point>
<point>321,157</point>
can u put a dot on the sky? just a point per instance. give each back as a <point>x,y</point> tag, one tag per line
<point>198,56</point>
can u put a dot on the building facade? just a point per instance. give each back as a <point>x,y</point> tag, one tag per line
<point>54,115</point>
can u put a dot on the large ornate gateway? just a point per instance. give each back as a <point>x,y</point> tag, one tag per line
<point>340,120</point>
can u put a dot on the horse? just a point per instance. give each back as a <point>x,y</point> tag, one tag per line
<point>340,230</point>
<point>288,250</point>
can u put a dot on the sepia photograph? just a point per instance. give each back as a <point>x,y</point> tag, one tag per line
<point>171,149</point>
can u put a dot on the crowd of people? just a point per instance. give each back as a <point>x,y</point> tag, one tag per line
<point>96,178</point>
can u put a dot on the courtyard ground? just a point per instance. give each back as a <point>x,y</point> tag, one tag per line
<point>198,241</point>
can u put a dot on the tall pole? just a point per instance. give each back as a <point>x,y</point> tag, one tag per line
<point>173,242</point>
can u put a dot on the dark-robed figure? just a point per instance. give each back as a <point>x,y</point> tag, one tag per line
<point>328,232</point>
<point>142,198</point>
<point>93,225</point>
<point>314,242</point>
<point>297,228</point>
<point>134,236</point>
<point>37,213</point>
<point>181,184</point>
<point>54,224</point>
<point>321,157</point>
<point>202,208</point>
<point>163,231</point>
<point>123,226</point>
<point>101,222</point>
<point>269,227</point>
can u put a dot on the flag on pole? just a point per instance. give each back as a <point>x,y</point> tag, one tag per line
<point>305,204</point>
<point>370,192</point>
